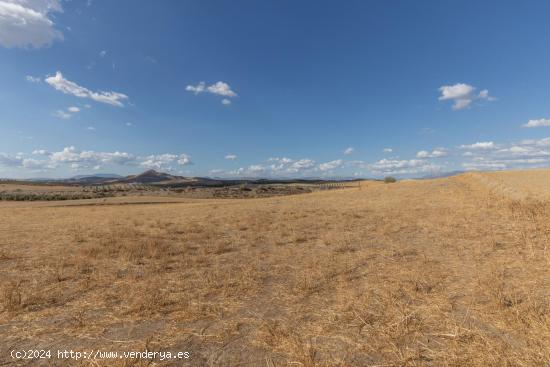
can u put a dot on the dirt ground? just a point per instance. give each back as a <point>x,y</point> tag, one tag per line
<point>445,272</point>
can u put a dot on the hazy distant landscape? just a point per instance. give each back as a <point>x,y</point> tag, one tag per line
<point>155,183</point>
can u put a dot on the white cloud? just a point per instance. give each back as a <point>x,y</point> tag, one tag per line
<point>62,114</point>
<point>349,151</point>
<point>102,53</point>
<point>220,88</point>
<point>522,154</point>
<point>129,124</point>
<point>282,160</point>
<point>90,157</point>
<point>199,88</point>
<point>34,164</point>
<point>65,115</point>
<point>32,79</point>
<point>436,153</point>
<point>475,166</point>
<point>184,160</point>
<point>27,23</point>
<point>482,145</point>
<point>73,158</point>
<point>462,95</point>
<point>537,123</point>
<point>387,150</point>
<point>68,87</point>
<point>328,166</point>
<point>18,161</point>
<point>91,128</point>
<point>231,157</point>
<point>495,163</point>
<point>288,165</point>
<point>159,161</point>
<point>411,166</point>
<point>301,165</point>
<point>274,167</point>
<point>9,160</point>
<point>256,168</point>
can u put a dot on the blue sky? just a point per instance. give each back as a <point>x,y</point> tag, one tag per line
<point>273,88</point>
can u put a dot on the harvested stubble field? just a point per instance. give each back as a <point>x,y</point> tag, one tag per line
<point>446,272</point>
<point>38,192</point>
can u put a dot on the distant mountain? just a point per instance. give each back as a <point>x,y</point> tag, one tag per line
<point>99,175</point>
<point>161,179</point>
<point>150,176</point>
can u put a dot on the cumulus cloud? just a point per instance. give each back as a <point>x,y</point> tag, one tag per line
<point>35,164</point>
<point>462,95</point>
<point>300,165</point>
<point>537,123</point>
<point>184,160</point>
<point>288,165</point>
<point>28,23</point>
<point>273,167</point>
<point>329,166</point>
<point>387,150</point>
<point>256,168</point>
<point>410,166</point>
<point>530,153</point>
<point>349,150</point>
<point>436,153</point>
<point>159,161</point>
<point>68,87</point>
<point>197,89</point>
<point>220,88</point>
<point>19,161</point>
<point>9,160</point>
<point>74,158</point>
<point>89,157</point>
<point>481,145</point>
<point>231,157</point>
<point>480,165</point>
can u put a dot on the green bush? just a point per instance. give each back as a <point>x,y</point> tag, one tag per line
<point>389,179</point>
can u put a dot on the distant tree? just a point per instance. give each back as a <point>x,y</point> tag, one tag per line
<point>389,179</point>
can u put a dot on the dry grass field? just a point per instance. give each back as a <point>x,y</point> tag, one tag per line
<point>444,272</point>
<point>11,187</point>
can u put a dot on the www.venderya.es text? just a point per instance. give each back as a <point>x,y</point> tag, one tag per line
<point>97,354</point>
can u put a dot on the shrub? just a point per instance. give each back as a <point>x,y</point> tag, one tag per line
<point>389,179</point>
